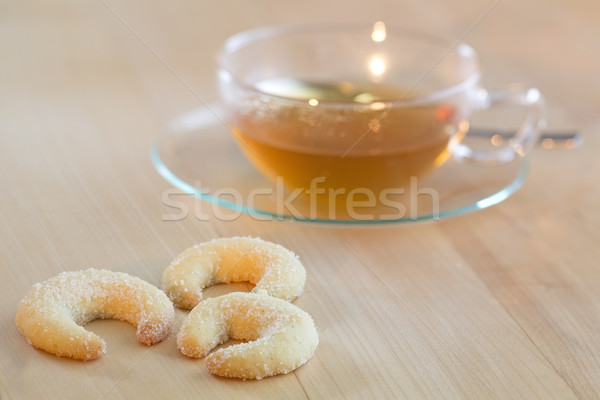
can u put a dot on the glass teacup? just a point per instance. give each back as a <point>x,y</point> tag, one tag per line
<point>348,112</point>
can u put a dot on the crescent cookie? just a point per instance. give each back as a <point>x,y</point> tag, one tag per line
<point>51,313</point>
<point>280,336</point>
<point>269,266</point>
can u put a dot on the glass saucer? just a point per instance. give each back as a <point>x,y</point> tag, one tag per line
<point>198,155</point>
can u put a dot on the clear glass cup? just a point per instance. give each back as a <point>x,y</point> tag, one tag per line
<point>354,112</point>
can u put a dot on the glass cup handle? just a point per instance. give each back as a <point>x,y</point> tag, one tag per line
<point>525,137</point>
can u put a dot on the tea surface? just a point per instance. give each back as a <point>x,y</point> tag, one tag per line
<point>351,135</point>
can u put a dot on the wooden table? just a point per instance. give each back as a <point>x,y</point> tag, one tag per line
<point>500,303</point>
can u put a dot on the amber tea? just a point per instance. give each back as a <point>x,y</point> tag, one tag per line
<point>348,134</point>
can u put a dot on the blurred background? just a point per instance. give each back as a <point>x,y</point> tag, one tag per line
<point>512,37</point>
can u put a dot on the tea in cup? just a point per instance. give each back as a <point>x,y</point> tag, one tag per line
<point>357,108</point>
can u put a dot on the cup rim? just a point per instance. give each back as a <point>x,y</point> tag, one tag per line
<point>243,38</point>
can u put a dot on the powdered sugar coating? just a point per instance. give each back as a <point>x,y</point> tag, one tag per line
<point>50,315</point>
<point>280,336</point>
<point>269,266</point>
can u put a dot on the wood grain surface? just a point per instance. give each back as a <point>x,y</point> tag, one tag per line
<point>501,303</point>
